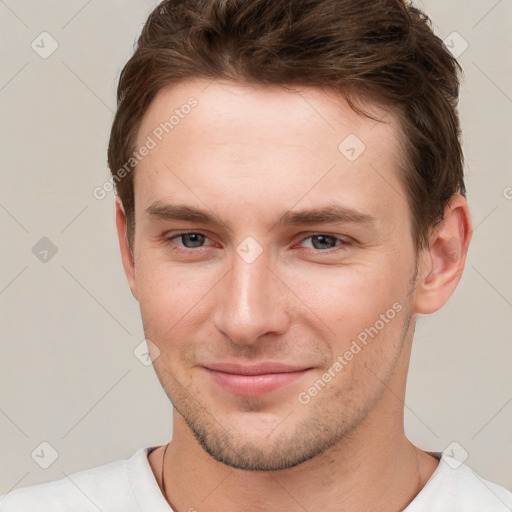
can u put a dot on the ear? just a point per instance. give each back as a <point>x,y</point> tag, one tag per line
<point>442,263</point>
<point>126,251</point>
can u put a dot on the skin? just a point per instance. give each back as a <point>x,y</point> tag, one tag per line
<point>247,154</point>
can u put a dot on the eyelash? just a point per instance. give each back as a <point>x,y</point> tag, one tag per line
<point>343,242</point>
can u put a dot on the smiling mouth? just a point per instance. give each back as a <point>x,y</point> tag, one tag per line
<point>256,380</point>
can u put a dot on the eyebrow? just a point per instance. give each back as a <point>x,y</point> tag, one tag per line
<point>328,214</point>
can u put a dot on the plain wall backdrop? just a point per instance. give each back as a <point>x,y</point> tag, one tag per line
<point>69,376</point>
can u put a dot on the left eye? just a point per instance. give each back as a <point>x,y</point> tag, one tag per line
<point>322,242</point>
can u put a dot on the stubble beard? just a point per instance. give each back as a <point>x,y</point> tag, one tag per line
<point>325,426</point>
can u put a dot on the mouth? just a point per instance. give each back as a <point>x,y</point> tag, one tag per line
<point>254,380</point>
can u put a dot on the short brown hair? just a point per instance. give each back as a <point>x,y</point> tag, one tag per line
<point>359,48</point>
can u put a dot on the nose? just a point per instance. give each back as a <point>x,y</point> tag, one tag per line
<point>250,302</point>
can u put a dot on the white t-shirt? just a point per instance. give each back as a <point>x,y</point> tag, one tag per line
<point>130,486</point>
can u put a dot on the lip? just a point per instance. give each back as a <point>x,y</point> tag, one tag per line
<point>254,380</point>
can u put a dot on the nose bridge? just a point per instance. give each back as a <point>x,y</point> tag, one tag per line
<point>248,304</point>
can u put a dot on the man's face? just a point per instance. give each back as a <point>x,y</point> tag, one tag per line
<point>252,310</point>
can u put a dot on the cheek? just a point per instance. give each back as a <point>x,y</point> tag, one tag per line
<point>350,298</point>
<point>337,302</point>
<point>170,295</point>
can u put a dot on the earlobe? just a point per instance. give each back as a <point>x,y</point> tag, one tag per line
<point>442,263</point>
<point>124,245</point>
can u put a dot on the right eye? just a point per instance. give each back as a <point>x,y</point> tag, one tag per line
<point>190,240</point>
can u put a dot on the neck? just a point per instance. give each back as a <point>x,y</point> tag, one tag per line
<point>382,472</point>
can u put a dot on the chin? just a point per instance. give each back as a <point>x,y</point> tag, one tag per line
<point>246,448</point>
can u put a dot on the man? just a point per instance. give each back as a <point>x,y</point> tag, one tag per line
<point>290,196</point>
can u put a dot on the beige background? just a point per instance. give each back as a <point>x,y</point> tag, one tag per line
<point>70,326</point>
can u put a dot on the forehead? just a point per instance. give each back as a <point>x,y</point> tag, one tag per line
<point>245,142</point>
<point>226,106</point>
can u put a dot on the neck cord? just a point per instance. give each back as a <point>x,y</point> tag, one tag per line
<point>164,492</point>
